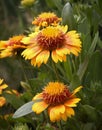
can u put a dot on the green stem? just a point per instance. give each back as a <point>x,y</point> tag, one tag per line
<point>23,70</point>
<point>55,70</point>
<point>60,125</point>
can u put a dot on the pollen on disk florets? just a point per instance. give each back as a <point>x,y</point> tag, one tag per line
<point>55,93</point>
<point>51,38</point>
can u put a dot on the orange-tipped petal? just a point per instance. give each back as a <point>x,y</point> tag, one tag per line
<point>72,102</point>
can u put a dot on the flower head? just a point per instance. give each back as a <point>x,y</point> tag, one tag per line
<point>46,19</point>
<point>59,101</point>
<point>2,86</point>
<point>52,41</point>
<point>10,47</point>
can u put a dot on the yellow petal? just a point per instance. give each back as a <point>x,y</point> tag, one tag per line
<point>53,116</point>
<point>54,57</point>
<point>55,112</point>
<point>46,56</point>
<point>76,90</point>
<point>72,102</point>
<point>59,109</point>
<point>31,52</point>
<point>63,28</point>
<point>64,58</point>
<point>64,116</point>
<point>2,101</point>
<point>26,40</point>
<point>2,44</point>
<point>38,107</point>
<point>70,112</point>
<point>38,96</point>
<point>1,81</point>
<point>62,51</point>
<point>57,57</point>
<point>42,57</point>
<point>3,86</point>
<point>30,39</point>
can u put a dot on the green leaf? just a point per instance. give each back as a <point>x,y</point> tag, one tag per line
<point>50,3</point>
<point>93,45</point>
<point>75,82</point>
<point>83,66</point>
<point>94,67</point>
<point>14,100</point>
<point>90,111</point>
<point>68,69</point>
<point>89,126</point>
<point>25,109</point>
<point>84,26</point>
<point>68,16</point>
<point>58,4</point>
<point>100,4</point>
<point>54,4</point>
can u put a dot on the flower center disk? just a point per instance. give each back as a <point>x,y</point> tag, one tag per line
<point>51,38</point>
<point>55,93</point>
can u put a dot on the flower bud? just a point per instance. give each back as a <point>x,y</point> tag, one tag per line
<point>27,3</point>
<point>68,17</point>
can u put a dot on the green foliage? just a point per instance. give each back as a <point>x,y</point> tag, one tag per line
<point>86,18</point>
<point>25,109</point>
<point>20,126</point>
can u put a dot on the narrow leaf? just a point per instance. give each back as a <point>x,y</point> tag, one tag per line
<point>14,100</point>
<point>90,111</point>
<point>93,45</point>
<point>83,66</point>
<point>25,109</point>
<point>58,4</point>
<point>68,69</point>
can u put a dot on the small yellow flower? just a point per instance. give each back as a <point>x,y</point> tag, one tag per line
<point>11,47</point>
<point>52,41</point>
<point>59,101</point>
<point>2,86</point>
<point>46,19</point>
<point>2,101</point>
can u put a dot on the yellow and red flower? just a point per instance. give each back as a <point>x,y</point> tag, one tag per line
<point>52,41</point>
<point>11,46</point>
<point>46,19</point>
<point>59,101</point>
